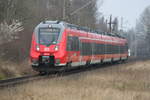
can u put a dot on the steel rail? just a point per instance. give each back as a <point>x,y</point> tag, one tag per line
<point>18,80</point>
<point>24,79</point>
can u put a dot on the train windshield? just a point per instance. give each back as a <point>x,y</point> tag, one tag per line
<point>48,36</point>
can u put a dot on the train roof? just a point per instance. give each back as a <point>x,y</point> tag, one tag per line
<point>76,27</point>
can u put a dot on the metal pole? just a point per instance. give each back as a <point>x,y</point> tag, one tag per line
<point>110,24</point>
<point>64,10</point>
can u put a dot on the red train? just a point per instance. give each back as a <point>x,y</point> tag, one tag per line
<point>58,45</point>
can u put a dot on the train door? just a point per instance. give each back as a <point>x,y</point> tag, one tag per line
<point>105,48</point>
<point>119,50</point>
<point>81,52</point>
<point>69,49</point>
<point>73,50</point>
<point>92,59</point>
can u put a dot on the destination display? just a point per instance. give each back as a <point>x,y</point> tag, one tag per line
<point>49,30</point>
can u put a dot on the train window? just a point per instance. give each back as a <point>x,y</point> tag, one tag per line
<point>69,42</point>
<point>76,43</point>
<point>96,49</point>
<point>73,43</point>
<point>86,49</point>
<point>48,36</point>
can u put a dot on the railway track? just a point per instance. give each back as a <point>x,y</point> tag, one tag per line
<point>18,80</point>
<point>25,79</point>
<point>21,80</point>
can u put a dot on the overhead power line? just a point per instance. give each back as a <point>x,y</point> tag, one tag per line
<point>77,10</point>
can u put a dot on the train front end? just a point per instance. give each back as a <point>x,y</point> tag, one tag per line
<point>48,46</point>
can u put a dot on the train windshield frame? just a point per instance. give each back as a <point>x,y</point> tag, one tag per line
<point>48,36</point>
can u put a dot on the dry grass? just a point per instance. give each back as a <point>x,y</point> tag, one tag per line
<point>119,82</point>
<point>9,69</point>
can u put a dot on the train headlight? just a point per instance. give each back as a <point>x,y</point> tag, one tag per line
<point>37,48</point>
<point>129,52</point>
<point>56,48</point>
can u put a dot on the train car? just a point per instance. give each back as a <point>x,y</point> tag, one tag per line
<point>58,45</point>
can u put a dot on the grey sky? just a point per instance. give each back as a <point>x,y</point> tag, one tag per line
<point>130,10</point>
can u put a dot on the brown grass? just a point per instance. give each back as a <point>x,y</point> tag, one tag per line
<point>119,82</point>
<point>10,69</point>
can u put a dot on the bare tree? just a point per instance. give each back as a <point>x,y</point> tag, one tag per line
<point>141,39</point>
<point>8,32</point>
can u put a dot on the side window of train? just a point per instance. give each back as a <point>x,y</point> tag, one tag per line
<point>69,43</point>
<point>73,43</point>
<point>76,43</point>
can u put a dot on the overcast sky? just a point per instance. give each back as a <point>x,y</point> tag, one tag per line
<point>130,10</point>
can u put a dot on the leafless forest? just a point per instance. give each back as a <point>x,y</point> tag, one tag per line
<point>139,36</point>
